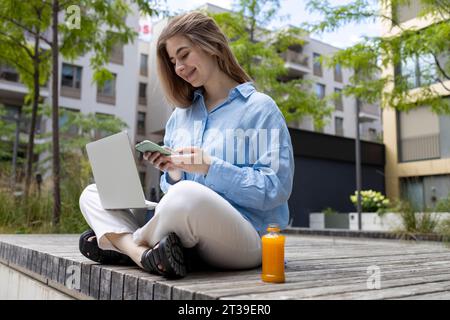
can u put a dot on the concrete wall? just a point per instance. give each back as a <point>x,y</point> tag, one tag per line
<point>18,286</point>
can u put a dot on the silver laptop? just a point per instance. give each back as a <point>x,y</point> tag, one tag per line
<point>116,174</point>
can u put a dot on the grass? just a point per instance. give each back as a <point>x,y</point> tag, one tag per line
<point>34,214</point>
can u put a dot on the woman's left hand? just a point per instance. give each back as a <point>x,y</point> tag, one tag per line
<point>191,159</point>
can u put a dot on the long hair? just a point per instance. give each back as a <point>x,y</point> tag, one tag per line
<point>204,33</point>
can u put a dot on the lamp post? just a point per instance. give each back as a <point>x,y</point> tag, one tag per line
<point>358,165</point>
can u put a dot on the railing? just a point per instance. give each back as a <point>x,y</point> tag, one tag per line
<point>370,109</point>
<point>420,148</point>
<point>294,57</point>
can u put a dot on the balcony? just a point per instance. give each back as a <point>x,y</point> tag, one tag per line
<point>297,63</point>
<point>369,112</point>
<point>8,74</point>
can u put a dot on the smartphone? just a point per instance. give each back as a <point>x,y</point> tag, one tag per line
<point>150,146</point>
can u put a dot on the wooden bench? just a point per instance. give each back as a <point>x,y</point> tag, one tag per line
<point>318,267</point>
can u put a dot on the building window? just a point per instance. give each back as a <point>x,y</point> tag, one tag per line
<point>418,71</point>
<point>144,65</point>
<point>71,81</point>
<point>338,104</point>
<point>8,73</point>
<point>320,90</point>
<point>339,126</point>
<point>337,73</point>
<point>103,117</point>
<point>141,123</point>
<point>66,122</point>
<point>317,67</point>
<point>142,93</point>
<point>116,52</point>
<point>107,92</point>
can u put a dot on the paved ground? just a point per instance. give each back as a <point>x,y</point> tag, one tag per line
<point>318,267</point>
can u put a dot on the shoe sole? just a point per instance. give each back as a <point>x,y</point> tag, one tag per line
<point>173,255</point>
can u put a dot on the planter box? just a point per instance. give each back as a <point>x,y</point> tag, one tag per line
<point>373,222</point>
<point>319,221</point>
<point>388,221</point>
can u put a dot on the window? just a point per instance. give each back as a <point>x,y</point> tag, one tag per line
<point>8,73</point>
<point>66,122</point>
<point>339,126</point>
<point>320,90</point>
<point>418,71</point>
<point>317,67</point>
<point>372,134</point>
<point>71,81</point>
<point>116,51</point>
<point>142,93</point>
<point>337,73</point>
<point>71,76</point>
<point>107,92</point>
<point>144,65</point>
<point>141,123</point>
<point>338,104</point>
<point>102,118</point>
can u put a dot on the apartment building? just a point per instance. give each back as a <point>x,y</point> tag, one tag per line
<point>417,142</point>
<point>124,96</point>
<point>302,63</point>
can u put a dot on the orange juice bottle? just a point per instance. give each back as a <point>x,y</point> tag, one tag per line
<point>273,255</point>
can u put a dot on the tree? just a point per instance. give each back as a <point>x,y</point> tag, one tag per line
<point>374,54</point>
<point>22,26</point>
<point>89,26</point>
<point>258,50</point>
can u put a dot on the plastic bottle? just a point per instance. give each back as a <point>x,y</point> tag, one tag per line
<point>273,255</point>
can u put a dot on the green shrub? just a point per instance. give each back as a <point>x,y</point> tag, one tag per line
<point>413,222</point>
<point>443,205</point>
<point>371,201</point>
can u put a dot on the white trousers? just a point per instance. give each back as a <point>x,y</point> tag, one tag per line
<point>198,215</point>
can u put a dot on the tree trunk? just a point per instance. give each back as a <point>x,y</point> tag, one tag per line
<point>30,148</point>
<point>55,116</point>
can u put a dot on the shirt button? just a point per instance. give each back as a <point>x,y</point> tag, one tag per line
<point>212,186</point>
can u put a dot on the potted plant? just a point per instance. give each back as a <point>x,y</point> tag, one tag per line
<point>374,206</point>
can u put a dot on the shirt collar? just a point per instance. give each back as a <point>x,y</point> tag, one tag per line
<point>244,89</point>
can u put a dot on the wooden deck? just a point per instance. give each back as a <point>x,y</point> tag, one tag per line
<point>318,267</point>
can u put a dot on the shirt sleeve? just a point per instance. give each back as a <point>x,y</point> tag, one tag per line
<point>166,181</point>
<point>265,184</point>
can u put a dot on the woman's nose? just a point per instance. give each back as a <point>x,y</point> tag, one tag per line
<point>179,67</point>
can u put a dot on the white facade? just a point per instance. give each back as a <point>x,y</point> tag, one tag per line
<point>301,65</point>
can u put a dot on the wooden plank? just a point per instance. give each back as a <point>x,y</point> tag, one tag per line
<point>145,289</point>
<point>117,280</point>
<point>105,284</point>
<point>94,284</point>
<point>85,278</point>
<point>130,287</point>
<point>358,290</point>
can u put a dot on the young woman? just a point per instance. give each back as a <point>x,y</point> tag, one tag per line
<point>230,174</point>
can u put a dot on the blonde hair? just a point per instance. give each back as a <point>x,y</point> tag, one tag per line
<point>203,32</point>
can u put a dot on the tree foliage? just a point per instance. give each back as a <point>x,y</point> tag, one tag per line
<point>402,48</point>
<point>258,50</point>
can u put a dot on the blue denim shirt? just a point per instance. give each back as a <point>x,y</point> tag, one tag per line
<point>252,160</point>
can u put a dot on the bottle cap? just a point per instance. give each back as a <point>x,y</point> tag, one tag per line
<point>273,227</point>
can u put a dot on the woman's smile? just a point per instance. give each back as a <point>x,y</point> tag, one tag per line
<point>190,75</point>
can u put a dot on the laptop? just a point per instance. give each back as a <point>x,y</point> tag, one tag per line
<point>116,174</point>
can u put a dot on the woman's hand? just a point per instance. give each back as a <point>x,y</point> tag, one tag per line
<point>163,163</point>
<point>191,159</point>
